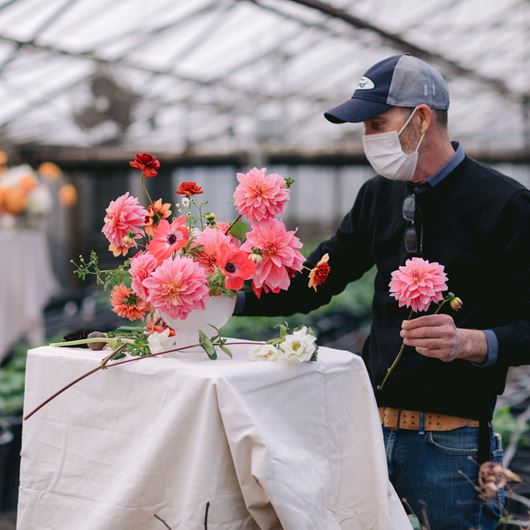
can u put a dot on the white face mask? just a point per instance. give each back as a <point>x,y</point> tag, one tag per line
<point>386,156</point>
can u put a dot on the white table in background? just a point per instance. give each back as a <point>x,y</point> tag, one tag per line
<point>26,284</point>
<point>269,445</point>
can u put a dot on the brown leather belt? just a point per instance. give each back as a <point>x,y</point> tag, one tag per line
<point>410,420</point>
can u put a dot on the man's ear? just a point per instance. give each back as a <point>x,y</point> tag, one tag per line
<point>425,117</point>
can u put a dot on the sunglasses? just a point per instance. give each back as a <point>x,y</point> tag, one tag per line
<point>413,244</point>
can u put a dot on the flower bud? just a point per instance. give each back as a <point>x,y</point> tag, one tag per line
<point>256,258</point>
<point>128,240</point>
<point>456,303</point>
<point>96,345</point>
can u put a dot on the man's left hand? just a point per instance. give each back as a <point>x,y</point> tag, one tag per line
<point>437,336</point>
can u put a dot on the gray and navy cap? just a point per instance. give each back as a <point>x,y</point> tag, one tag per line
<point>399,81</point>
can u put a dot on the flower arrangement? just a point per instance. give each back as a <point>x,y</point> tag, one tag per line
<point>26,193</point>
<point>417,285</point>
<point>177,256</point>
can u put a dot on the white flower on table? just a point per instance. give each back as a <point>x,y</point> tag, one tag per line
<point>299,345</point>
<point>265,352</point>
<point>160,341</point>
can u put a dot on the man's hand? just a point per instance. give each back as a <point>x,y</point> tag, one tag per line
<point>437,336</point>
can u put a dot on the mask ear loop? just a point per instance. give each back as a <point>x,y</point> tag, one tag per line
<point>406,123</point>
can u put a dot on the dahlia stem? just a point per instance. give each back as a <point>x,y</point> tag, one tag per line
<point>394,364</point>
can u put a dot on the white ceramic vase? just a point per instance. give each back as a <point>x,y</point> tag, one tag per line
<point>217,312</point>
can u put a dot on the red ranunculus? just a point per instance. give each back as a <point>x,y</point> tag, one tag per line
<point>146,163</point>
<point>189,188</point>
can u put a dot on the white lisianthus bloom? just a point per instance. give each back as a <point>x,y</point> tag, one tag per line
<point>160,341</point>
<point>265,352</point>
<point>299,345</point>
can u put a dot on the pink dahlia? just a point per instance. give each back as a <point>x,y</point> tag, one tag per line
<point>280,258</point>
<point>124,215</point>
<point>127,304</point>
<point>259,196</point>
<point>235,266</point>
<point>418,283</point>
<point>211,240</point>
<point>223,227</point>
<point>168,238</point>
<point>142,265</point>
<point>177,286</point>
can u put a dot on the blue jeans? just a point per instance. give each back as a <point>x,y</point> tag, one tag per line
<point>436,472</point>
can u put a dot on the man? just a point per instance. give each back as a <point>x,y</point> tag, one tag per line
<point>429,200</point>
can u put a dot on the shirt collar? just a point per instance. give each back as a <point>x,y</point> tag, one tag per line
<point>435,179</point>
<point>453,162</point>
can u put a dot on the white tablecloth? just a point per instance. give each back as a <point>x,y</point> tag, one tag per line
<point>26,284</point>
<point>269,445</point>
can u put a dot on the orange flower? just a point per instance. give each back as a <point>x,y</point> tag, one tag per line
<point>188,189</point>
<point>50,171</point>
<point>68,195</point>
<point>151,221</point>
<point>15,200</point>
<point>319,274</point>
<point>146,163</point>
<point>127,304</point>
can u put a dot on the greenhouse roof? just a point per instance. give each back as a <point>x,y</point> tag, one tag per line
<point>215,76</point>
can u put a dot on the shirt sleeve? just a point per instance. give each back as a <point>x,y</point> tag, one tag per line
<point>513,237</point>
<point>493,349</point>
<point>349,258</point>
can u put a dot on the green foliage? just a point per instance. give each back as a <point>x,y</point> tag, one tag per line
<point>239,230</point>
<point>506,425</point>
<point>107,278</point>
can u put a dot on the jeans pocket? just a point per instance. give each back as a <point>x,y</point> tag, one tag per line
<point>463,441</point>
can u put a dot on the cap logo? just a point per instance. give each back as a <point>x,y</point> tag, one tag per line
<point>365,83</point>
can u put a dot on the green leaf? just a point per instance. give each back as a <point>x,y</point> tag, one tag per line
<point>226,350</point>
<point>239,230</point>
<point>207,345</point>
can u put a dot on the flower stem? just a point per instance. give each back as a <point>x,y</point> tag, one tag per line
<point>233,223</point>
<point>394,364</point>
<point>156,216</point>
<point>93,340</point>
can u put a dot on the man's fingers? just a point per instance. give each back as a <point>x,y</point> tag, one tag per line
<point>428,343</point>
<point>427,320</point>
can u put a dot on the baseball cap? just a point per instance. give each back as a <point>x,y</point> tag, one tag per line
<point>398,81</point>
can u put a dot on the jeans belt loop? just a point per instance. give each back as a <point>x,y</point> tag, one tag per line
<point>422,422</point>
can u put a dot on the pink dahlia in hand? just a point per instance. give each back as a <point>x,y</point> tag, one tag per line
<point>259,196</point>
<point>127,304</point>
<point>177,286</point>
<point>124,216</point>
<point>235,266</point>
<point>418,283</point>
<point>142,265</point>
<point>280,257</point>
<point>168,238</point>
<point>211,240</point>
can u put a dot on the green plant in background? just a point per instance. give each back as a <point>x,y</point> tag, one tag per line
<point>506,425</point>
<point>12,383</point>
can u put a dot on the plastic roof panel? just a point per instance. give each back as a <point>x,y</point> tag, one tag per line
<point>240,74</point>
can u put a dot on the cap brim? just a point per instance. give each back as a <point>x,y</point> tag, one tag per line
<point>355,110</point>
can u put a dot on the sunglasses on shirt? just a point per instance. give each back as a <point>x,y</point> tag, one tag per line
<point>413,244</point>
